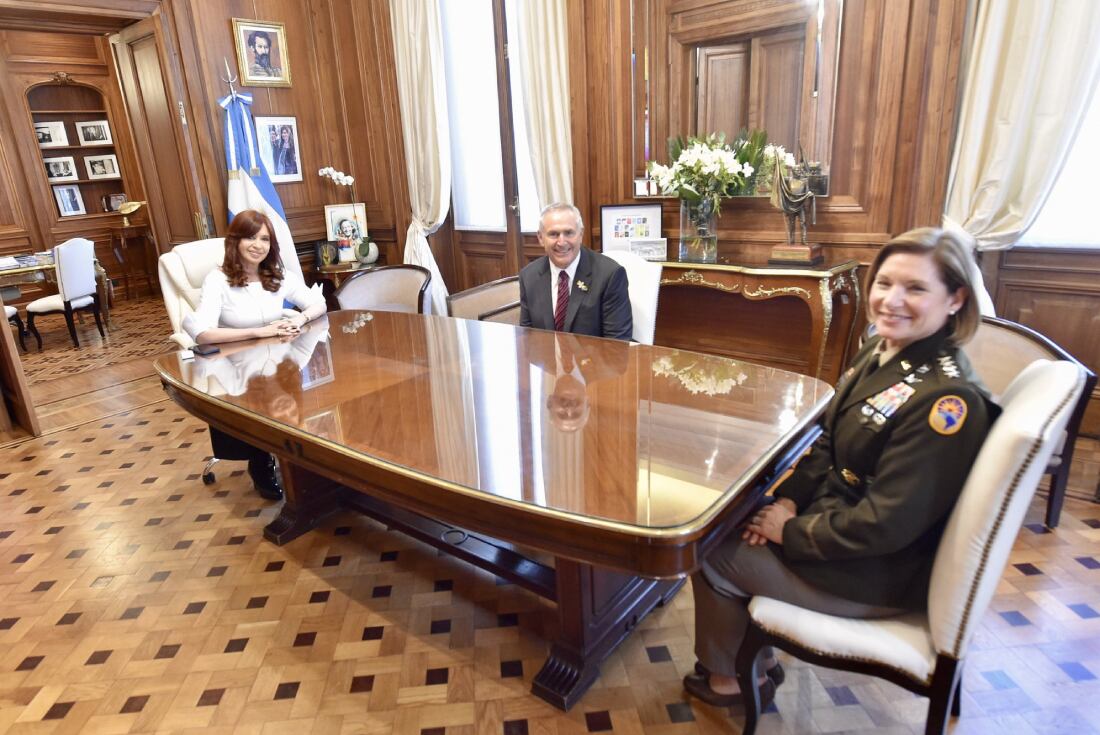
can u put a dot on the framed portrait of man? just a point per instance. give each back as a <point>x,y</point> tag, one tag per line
<point>278,142</point>
<point>261,53</point>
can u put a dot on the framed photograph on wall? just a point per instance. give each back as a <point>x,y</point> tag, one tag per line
<point>69,201</point>
<point>102,167</point>
<point>51,134</point>
<point>623,223</point>
<point>61,168</point>
<point>278,139</point>
<point>261,53</point>
<point>94,132</point>
<point>346,221</point>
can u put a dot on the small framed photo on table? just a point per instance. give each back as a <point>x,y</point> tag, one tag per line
<point>633,228</point>
<point>94,132</point>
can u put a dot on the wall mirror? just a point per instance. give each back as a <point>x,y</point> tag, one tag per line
<point>702,66</point>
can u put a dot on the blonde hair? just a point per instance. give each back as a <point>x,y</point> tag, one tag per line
<point>953,262</point>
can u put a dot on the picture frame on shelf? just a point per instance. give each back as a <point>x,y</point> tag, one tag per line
<point>261,53</point>
<point>102,167</point>
<point>61,168</point>
<point>51,134</point>
<point>112,202</point>
<point>278,143</point>
<point>93,133</point>
<point>620,224</point>
<point>69,201</point>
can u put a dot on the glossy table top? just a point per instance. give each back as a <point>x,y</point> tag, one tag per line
<point>648,439</point>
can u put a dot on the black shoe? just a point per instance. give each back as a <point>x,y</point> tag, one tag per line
<point>698,686</point>
<point>263,476</point>
<point>775,673</point>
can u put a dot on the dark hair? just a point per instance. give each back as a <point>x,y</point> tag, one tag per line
<point>259,34</point>
<point>953,260</point>
<point>247,224</point>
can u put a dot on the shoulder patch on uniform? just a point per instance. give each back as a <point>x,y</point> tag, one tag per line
<point>947,415</point>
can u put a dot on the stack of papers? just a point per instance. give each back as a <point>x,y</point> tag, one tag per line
<point>7,261</point>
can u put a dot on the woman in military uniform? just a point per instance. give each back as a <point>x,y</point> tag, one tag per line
<point>854,529</point>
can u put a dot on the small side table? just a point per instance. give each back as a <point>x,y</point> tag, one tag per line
<point>131,248</point>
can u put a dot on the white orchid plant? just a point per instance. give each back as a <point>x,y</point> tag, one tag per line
<point>338,177</point>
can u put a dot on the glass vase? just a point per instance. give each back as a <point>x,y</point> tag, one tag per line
<point>698,232</point>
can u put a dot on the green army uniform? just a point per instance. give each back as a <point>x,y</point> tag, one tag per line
<point>875,492</point>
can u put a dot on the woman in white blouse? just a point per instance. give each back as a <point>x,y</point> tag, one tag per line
<point>244,299</point>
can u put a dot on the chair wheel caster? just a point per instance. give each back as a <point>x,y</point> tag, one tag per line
<point>208,478</point>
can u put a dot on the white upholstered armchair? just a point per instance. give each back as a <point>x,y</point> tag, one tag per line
<point>923,651</point>
<point>182,271</point>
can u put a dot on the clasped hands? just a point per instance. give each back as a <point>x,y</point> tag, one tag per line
<point>767,523</point>
<point>286,327</point>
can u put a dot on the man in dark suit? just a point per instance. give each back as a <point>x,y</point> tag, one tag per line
<point>573,289</point>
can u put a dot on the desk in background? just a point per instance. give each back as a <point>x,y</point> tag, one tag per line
<point>468,436</point>
<point>709,307</point>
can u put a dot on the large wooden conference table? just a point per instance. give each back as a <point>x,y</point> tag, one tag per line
<point>623,463</point>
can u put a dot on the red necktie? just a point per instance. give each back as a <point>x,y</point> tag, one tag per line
<point>563,301</point>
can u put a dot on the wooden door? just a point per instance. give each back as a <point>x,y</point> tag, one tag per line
<point>159,114</point>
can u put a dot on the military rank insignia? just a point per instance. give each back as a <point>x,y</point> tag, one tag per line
<point>947,415</point>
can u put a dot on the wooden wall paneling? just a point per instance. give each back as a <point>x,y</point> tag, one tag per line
<point>481,257</point>
<point>167,168</point>
<point>582,47</point>
<point>926,131</point>
<point>92,17</point>
<point>17,227</point>
<point>1056,291</point>
<point>722,92</point>
<point>777,86</point>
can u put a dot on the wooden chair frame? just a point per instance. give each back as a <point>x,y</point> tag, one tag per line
<point>1059,475</point>
<point>421,296</point>
<point>491,285</point>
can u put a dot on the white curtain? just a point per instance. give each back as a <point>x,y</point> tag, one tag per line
<point>544,49</point>
<point>1033,67</point>
<point>421,87</point>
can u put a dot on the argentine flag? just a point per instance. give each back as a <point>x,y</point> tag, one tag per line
<point>250,186</point>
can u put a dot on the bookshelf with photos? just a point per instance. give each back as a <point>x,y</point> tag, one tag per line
<point>77,148</point>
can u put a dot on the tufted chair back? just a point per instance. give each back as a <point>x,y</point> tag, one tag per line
<point>987,517</point>
<point>182,271</point>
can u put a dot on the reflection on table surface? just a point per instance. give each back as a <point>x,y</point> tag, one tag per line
<point>647,437</point>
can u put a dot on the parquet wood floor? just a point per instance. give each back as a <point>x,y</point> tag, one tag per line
<point>135,599</point>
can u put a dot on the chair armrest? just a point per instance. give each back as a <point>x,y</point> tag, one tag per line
<point>183,340</point>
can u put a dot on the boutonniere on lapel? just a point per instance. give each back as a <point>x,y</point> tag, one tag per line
<point>582,286</point>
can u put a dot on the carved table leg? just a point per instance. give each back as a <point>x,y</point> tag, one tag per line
<point>309,498</point>
<point>597,609</point>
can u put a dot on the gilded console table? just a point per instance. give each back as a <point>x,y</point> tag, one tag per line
<point>830,290</point>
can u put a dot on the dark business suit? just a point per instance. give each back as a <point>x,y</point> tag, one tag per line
<point>599,304</point>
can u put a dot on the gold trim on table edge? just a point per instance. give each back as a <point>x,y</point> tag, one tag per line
<point>691,528</point>
<point>764,292</point>
<point>691,278</point>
